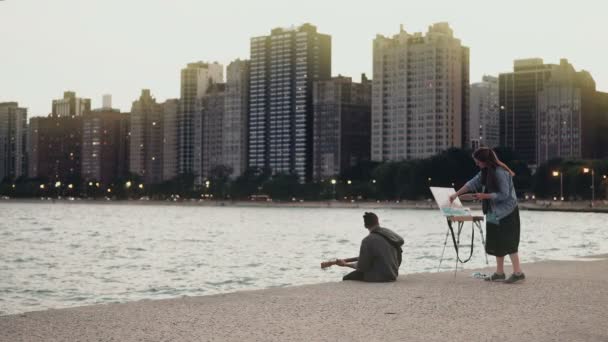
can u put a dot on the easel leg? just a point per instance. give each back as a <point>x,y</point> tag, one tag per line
<point>444,244</point>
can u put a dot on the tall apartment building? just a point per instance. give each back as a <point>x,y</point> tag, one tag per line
<point>55,149</point>
<point>146,145</point>
<point>284,66</point>
<point>568,117</point>
<point>483,113</point>
<point>518,94</point>
<point>170,110</point>
<point>234,130</point>
<point>212,105</point>
<point>420,94</point>
<point>549,111</point>
<point>70,105</point>
<point>342,125</point>
<point>195,79</point>
<point>13,133</point>
<point>105,146</point>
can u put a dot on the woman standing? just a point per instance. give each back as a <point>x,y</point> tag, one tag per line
<point>493,185</point>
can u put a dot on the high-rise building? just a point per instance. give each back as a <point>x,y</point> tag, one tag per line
<point>213,106</point>
<point>342,129</point>
<point>483,113</point>
<point>70,105</point>
<point>234,131</point>
<point>106,101</point>
<point>283,68</point>
<point>420,94</point>
<point>13,133</point>
<point>195,79</point>
<point>170,110</point>
<point>518,92</point>
<point>55,149</point>
<point>567,116</point>
<point>146,139</point>
<point>105,146</point>
<point>549,111</point>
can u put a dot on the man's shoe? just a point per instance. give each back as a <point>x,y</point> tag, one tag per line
<point>495,277</point>
<point>514,278</point>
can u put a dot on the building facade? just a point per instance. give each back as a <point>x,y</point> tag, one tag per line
<point>550,111</point>
<point>146,139</point>
<point>55,148</point>
<point>483,114</point>
<point>518,95</point>
<point>170,112</point>
<point>71,105</point>
<point>342,125</point>
<point>234,130</point>
<point>213,105</point>
<point>284,66</point>
<point>420,94</point>
<point>13,141</point>
<point>195,80</point>
<point>105,146</point>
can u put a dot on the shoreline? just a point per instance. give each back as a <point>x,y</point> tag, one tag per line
<point>559,300</point>
<point>600,206</point>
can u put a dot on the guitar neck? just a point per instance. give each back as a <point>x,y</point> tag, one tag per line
<point>326,264</point>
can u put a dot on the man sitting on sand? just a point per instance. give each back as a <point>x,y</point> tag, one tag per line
<point>379,256</point>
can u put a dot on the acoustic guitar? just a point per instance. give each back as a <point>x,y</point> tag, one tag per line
<point>326,264</point>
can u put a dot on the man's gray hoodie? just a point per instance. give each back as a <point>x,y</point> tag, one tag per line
<point>380,255</point>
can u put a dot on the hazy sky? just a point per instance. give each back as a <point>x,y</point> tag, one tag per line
<point>118,47</point>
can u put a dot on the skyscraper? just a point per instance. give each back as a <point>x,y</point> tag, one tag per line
<point>548,111</point>
<point>195,79</point>
<point>212,105</point>
<point>170,110</point>
<point>483,113</point>
<point>234,131</point>
<point>13,133</point>
<point>55,149</point>
<point>105,146</point>
<point>146,150</point>
<point>70,105</point>
<point>567,116</point>
<point>420,94</point>
<point>342,130</point>
<point>283,68</point>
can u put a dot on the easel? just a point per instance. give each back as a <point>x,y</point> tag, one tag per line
<point>475,222</point>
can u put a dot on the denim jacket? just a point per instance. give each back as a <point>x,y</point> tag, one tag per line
<point>503,202</point>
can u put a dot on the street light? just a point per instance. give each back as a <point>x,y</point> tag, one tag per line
<point>333,183</point>
<point>561,183</point>
<point>349,182</point>
<point>57,184</point>
<point>141,186</point>
<point>207,183</point>
<point>586,170</point>
<point>128,184</point>
<point>42,186</point>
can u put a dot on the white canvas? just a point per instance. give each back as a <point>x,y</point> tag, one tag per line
<point>442,198</point>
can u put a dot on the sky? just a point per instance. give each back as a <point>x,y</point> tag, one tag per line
<point>119,47</point>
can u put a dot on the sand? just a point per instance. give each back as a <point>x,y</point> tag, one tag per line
<point>559,301</point>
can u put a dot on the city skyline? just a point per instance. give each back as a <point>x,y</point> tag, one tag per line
<point>114,56</point>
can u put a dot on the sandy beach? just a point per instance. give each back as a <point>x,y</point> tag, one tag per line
<point>559,301</point>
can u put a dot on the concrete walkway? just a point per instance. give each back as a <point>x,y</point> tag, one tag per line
<point>560,301</point>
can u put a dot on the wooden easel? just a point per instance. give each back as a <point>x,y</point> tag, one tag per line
<point>460,220</point>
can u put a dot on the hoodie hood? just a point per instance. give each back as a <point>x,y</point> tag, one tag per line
<point>392,237</point>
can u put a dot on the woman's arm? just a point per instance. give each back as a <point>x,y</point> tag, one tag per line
<point>503,182</point>
<point>472,185</point>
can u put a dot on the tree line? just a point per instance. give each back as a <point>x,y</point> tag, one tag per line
<point>386,181</point>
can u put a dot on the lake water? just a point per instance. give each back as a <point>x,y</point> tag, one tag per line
<point>64,255</point>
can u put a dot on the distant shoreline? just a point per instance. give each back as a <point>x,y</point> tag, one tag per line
<point>600,206</point>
